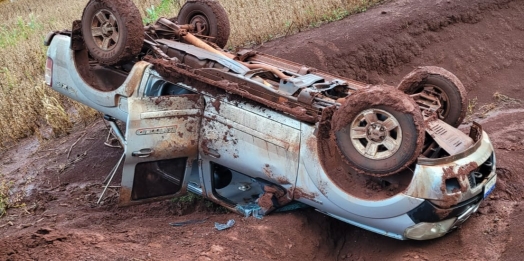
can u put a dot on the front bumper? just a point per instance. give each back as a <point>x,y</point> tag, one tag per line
<point>425,230</point>
<point>456,189</point>
<point>449,181</point>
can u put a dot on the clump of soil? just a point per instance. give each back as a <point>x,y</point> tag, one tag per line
<point>347,174</point>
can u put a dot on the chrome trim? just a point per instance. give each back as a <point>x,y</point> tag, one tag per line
<point>462,218</point>
<point>194,188</point>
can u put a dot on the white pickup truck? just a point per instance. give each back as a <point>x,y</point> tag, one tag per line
<point>253,132</point>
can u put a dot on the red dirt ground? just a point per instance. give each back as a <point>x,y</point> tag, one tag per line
<point>478,40</point>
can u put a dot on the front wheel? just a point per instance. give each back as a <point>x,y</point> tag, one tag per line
<point>379,131</point>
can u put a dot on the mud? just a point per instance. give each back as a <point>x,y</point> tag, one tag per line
<point>299,193</point>
<point>220,34</point>
<point>216,103</point>
<point>162,101</point>
<point>344,176</point>
<point>421,74</point>
<point>129,22</point>
<point>365,99</point>
<point>461,174</point>
<point>273,198</point>
<point>77,40</point>
<point>171,71</point>
<point>82,66</point>
<point>479,40</point>
<point>453,198</point>
<point>280,179</point>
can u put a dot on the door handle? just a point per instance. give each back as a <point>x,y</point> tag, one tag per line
<point>143,153</point>
<point>212,153</point>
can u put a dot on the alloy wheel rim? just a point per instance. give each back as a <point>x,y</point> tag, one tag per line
<point>376,134</point>
<point>105,30</point>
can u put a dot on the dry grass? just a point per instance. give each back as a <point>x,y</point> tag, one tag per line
<point>26,106</point>
<point>8,199</point>
<point>259,21</point>
<point>499,101</point>
<point>4,196</point>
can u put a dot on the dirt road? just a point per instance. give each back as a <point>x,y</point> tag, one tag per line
<point>478,40</point>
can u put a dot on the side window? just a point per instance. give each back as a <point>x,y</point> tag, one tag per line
<point>162,132</point>
<point>158,178</point>
<point>159,87</point>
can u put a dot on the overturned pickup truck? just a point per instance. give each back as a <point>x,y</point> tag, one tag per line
<point>253,132</point>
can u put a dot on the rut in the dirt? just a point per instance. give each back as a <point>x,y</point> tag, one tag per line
<point>472,39</point>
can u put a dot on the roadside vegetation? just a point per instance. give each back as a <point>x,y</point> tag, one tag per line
<point>499,100</point>
<point>4,196</point>
<point>28,107</point>
<point>7,198</point>
<point>189,202</point>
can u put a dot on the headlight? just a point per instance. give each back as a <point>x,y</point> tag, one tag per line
<point>424,231</point>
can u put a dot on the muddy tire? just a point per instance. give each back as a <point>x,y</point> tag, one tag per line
<point>208,17</point>
<point>112,30</point>
<point>379,131</point>
<point>443,84</point>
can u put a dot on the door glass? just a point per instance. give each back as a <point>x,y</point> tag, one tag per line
<point>162,134</point>
<point>158,178</point>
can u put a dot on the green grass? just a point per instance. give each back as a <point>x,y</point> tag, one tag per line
<point>9,197</point>
<point>166,8</point>
<point>191,199</point>
<point>335,15</point>
<point>340,13</point>
<point>10,36</point>
<point>5,188</point>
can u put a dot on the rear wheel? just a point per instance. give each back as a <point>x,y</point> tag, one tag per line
<point>442,85</point>
<point>208,18</point>
<point>113,31</point>
<point>379,131</point>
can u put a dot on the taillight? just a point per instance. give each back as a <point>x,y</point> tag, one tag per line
<point>49,72</point>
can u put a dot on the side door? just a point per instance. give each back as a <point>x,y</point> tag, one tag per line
<point>162,135</point>
<point>249,139</point>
